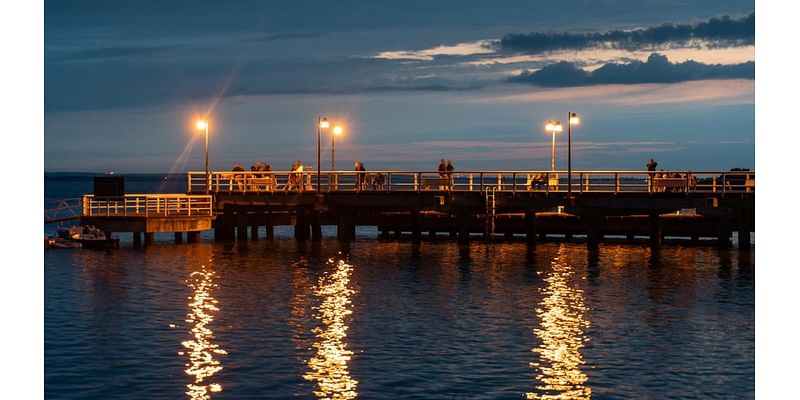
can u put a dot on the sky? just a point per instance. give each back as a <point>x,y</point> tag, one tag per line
<point>412,82</point>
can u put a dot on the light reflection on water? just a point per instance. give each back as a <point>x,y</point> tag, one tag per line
<point>328,368</point>
<point>561,331</point>
<point>202,364</point>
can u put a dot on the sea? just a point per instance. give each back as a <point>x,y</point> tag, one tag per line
<point>392,319</point>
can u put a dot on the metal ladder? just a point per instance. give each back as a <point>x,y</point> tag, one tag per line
<point>491,211</point>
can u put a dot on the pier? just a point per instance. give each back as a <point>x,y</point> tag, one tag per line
<point>643,206</point>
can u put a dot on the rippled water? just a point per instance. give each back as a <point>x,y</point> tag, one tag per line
<point>398,320</point>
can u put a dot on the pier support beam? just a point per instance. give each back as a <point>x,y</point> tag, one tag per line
<point>743,231</point>
<point>178,237</point>
<point>224,224</point>
<point>530,227</point>
<point>269,227</point>
<point>654,229</point>
<point>253,232</point>
<point>593,233</point>
<point>241,225</point>
<point>149,238</point>
<point>463,227</point>
<point>137,239</point>
<point>316,227</point>
<point>301,227</point>
<point>192,237</point>
<point>416,232</point>
<point>345,230</point>
<point>724,233</point>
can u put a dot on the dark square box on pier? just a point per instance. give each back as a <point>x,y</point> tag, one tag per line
<point>109,186</point>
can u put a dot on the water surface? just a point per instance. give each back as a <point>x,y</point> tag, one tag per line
<point>396,320</point>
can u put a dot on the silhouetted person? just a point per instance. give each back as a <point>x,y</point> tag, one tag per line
<point>442,172</point>
<point>359,166</point>
<point>651,166</point>
<point>449,168</point>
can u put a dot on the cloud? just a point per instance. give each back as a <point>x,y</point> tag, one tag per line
<point>657,69</point>
<point>716,32</point>
<point>460,50</point>
<point>707,92</point>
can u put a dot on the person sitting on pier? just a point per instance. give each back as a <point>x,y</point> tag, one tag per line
<point>537,181</point>
<point>238,178</point>
<point>442,172</point>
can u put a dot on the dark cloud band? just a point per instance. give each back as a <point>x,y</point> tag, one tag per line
<point>657,69</point>
<point>722,32</point>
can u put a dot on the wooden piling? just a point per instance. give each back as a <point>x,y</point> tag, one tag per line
<point>530,227</point>
<point>593,231</point>
<point>178,237</point>
<point>253,232</point>
<point>654,229</point>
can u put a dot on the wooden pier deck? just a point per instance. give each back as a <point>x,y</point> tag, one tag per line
<point>459,205</point>
<point>489,203</point>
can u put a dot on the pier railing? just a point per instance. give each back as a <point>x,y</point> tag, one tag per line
<point>504,181</point>
<point>148,205</point>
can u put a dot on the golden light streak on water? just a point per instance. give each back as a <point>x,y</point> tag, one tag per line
<point>202,365</point>
<point>328,368</point>
<point>562,336</point>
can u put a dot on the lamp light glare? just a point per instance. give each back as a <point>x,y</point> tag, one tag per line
<point>324,123</point>
<point>337,130</point>
<point>201,124</point>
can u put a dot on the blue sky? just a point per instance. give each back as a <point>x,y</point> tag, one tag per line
<point>413,82</point>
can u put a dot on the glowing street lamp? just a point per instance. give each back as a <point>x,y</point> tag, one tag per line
<point>337,131</point>
<point>553,126</point>
<point>322,123</point>
<point>202,125</point>
<point>573,120</point>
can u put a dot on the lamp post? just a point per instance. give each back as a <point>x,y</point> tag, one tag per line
<point>202,125</point>
<point>553,126</point>
<point>572,119</point>
<point>322,123</point>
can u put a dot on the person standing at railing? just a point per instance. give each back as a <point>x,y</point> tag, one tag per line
<point>449,168</point>
<point>360,176</point>
<point>651,166</point>
<point>442,172</point>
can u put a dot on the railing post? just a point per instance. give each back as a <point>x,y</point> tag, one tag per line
<point>588,186</point>
<point>616,180</point>
<point>580,182</point>
<point>470,182</point>
<point>714,183</point>
<point>416,181</point>
<point>481,181</point>
<point>547,186</point>
<point>514,182</point>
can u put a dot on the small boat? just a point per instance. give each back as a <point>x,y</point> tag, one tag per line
<point>88,237</point>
